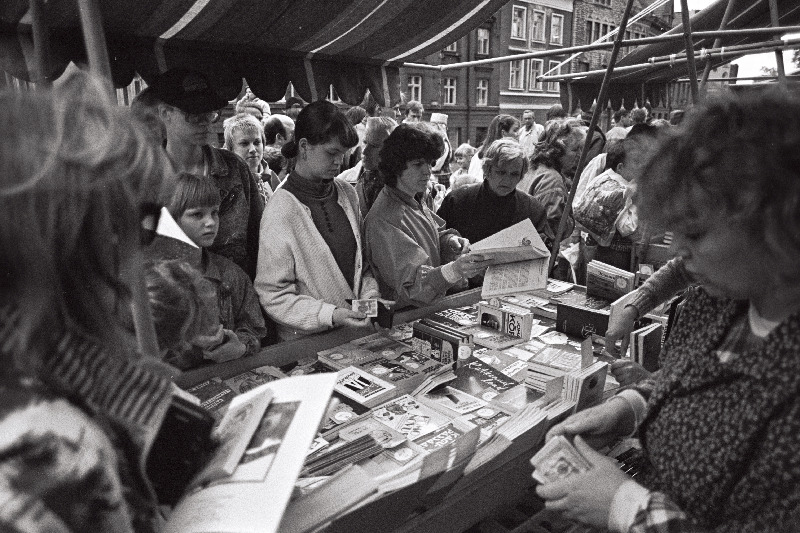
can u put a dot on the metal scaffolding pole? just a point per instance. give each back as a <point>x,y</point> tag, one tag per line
<point>598,109</point>
<point>722,25</point>
<point>775,21</point>
<point>687,37</point>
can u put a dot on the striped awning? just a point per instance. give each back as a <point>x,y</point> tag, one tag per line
<point>354,45</point>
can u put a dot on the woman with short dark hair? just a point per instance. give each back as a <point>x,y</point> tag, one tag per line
<point>414,258</point>
<point>310,260</point>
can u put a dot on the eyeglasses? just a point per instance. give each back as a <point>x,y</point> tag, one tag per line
<point>199,118</point>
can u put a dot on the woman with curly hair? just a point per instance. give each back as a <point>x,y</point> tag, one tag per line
<point>553,165</point>
<point>720,422</point>
<point>414,257</point>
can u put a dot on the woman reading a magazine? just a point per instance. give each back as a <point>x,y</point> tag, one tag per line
<point>720,423</point>
<point>415,259</point>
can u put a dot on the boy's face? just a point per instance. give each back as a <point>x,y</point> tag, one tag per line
<point>200,224</point>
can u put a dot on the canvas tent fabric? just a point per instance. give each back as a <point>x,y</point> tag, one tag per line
<point>651,83</point>
<point>354,45</point>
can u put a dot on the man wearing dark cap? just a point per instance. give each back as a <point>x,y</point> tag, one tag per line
<point>188,107</point>
<point>293,107</point>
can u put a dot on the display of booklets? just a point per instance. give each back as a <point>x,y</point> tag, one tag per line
<point>558,459</point>
<point>328,500</point>
<point>251,379</point>
<point>539,375</point>
<point>488,419</point>
<point>585,387</point>
<point>606,281</point>
<point>363,387</point>
<point>340,454</point>
<point>578,296</point>
<point>434,381</point>
<point>406,370</point>
<point>363,350</point>
<point>214,396</point>
<point>580,321</point>
<point>458,318</point>
<point>521,260</point>
<point>410,417</point>
<point>233,434</point>
<point>447,435</point>
<point>512,320</point>
<point>401,332</point>
<point>308,367</point>
<point>491,338</point>
<point>506,363</point>
<point>481,380</point>
<point>441,343</point>
<point>342,412</point>
<point>452,402</point>
<point>645,345</point>
<point>254,497</point>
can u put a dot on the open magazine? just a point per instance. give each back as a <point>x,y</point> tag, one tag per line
<point>520,260</point>
<point>254,496</point>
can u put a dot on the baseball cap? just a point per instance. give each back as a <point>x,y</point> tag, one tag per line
<point>188,90</point>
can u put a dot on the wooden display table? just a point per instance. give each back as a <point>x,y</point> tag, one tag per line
<point>454,505</point>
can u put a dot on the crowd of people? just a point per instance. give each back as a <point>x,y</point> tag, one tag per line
<point>271,236</point>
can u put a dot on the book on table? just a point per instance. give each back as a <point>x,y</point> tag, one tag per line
<point>254,496</point>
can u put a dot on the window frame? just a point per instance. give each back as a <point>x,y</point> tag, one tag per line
<point>533,85</point>
<point>553,86</point>
<point>520,86</point>
<point>553,18</point>
<point>446,88</point>
<point>487,41</point>
<point>414,88</point>
<point>542,37</point>
<point>452,47</point>
<point>522,33</point>
<point>482,88</point>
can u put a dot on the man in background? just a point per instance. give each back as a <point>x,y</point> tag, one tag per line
<point>529,133</point>
<point>414,111</point>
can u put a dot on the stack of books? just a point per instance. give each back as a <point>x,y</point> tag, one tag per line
<point>608,282</point>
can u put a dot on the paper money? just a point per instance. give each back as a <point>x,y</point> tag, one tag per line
<point>558,459</point>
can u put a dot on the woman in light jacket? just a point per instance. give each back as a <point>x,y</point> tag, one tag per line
<point>310,259</point>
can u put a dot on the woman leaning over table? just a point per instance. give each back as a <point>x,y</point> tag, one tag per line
<point>310,260</point>
<point>414,257</point>
<point>720,423</point>
<point>79,408</point>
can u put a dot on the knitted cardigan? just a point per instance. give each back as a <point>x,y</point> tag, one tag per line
<point>723,439</point>
<point>297,279</point>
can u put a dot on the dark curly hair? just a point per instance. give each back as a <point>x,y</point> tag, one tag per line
<point>737,157</point>
<point>552,147</point>
<point>408,142</point>
<point>318,123</point>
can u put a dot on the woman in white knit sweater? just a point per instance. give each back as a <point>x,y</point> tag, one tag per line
<point>310,258</point>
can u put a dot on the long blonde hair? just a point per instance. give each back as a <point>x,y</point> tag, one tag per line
<point>76,171</point>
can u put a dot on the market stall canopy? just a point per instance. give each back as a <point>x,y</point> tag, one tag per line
<point>354,45</point>
<point>651,81</point>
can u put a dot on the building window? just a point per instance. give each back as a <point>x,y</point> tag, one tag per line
<point>537,30</point>
<point>452,47</point>
<point>553,69</point>
<point>603,2</point>
<point>536,70</point>
<point>516,74</point>
<point>415,87</point>
<point>449,91</point>
<point>482,93</point>
<point>518,22</point>
<point>557,29</point>
<point>483,41</point>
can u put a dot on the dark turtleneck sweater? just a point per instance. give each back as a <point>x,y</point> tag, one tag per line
<point>476,212</point>
<point>321,197</point>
